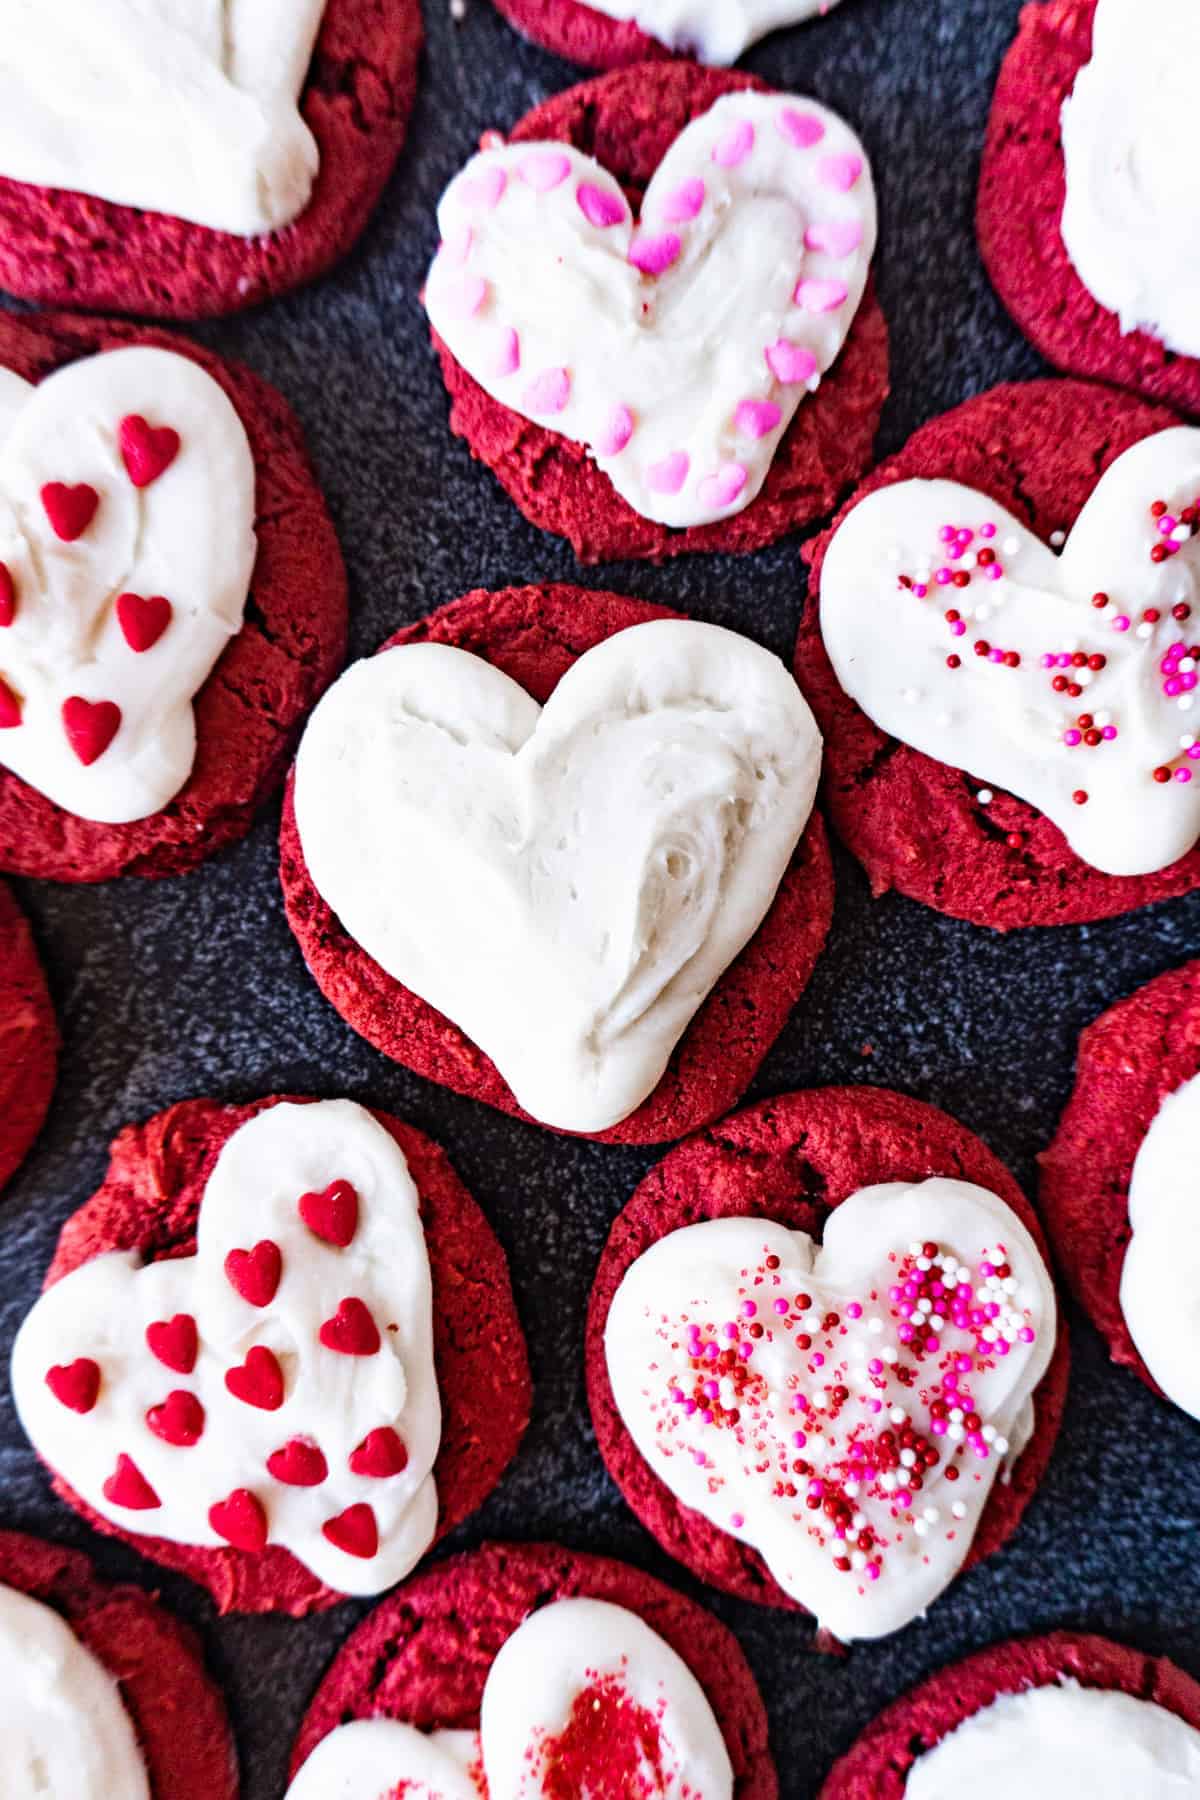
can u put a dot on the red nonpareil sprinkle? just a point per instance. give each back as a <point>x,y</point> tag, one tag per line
<point>610,1746</point>
<point>954,662</point>
<point>1162,773</point>
<point>1080,796</point>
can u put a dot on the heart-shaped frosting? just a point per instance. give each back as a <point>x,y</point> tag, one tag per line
<point>717,31</point>
<point>1072,681</point>
<point>175,108</point>
<point>219,1419</point>
<point>844,1409</point>
<point>126,556</point>
<point>565,883</point>
<point>679,349</point>
<point>583,1698</point>
<point>1160,1277</point>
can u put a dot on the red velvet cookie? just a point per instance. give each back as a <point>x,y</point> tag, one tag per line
<point>1021,189</point>
<point>69,249</point>
<point>176,1707</point>
<point>534,634</point>
<point>916,825</point>
<point>149,1202</point>
<point>423,1655</point>
<point>627,121</point>
<point>879,1764</point>
<point>581,34</point>
<point>28,1038</point>
<point>249,710</point>
<point>1130,1059</point>
<point>793,1160</point>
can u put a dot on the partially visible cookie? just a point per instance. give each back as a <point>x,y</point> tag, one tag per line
<point>28,1038</point>
<point>616,33</point>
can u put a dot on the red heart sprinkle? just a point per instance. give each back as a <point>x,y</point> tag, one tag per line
<point>258,1381</point>
<point>179,1420</point>
<point>333,1214</point>
<point>380,1454</point>
<point>175,1342</point>
<point>70,510</point>
<point>76,1384</point>
<point>91,726</point>
<point>127,1486</point>
<point>351,1331</point>
<point>8,596</point>
<point>143,618</point>
<point>254,1274</point>
<point>300,1463</point>
<point>146,450</point>
<point>10,707</point>
<point>353,1531</point>
<point>240,1520</point>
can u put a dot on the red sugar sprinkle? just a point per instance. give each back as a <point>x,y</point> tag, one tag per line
<point>610,1746</point>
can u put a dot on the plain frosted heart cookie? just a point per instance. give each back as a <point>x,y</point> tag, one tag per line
<point>567,883</point>
<point>650,309</point>
<point>609,34</point>
<point>902,1382</point>
<point>28,1038</point>
<point>290,1406</point>
<point>560,1674</point>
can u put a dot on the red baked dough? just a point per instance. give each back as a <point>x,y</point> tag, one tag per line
<point>69,249</point>
<point>879,1764</point>
<point>1130,1059</point>
<point>581,34</point>
<point>149,1202</point>
<point>176,1707</point>
<point>1022,187</point>
<point>423,1655</point>
<point>627,121</point>
<point>1038,448</point>
<point>249,711</point>
<point>28,1038</point>
<point>792,1160</point>
<point>534,634</point>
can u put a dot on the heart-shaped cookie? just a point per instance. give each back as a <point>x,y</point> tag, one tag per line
<point>126,547</point>
<point>1072,681</point>
<point>565,883</point>
<point>679,349</point>
<point>583,1698</point>
<point>844,1409</point>
<point>193,1401</point>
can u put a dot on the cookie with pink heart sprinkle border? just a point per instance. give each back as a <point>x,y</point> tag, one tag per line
<point>534,634</point>
<point>177,1710</point>
<point>793,1160</point>
<point>877,1767</point>
<point>1022,186</point>
<point>28,1038</point>
<point>423,1656</point>
<point>1130,1059</point>
<point>150,1201</point>
<point>916,825</point>
<point>250,709</point>
<point>68,249</point>
<point>627,120</point>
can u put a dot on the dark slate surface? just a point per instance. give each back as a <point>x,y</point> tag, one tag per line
<point>193,986</point>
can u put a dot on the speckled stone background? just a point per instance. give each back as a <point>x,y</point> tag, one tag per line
<point>194,986</point>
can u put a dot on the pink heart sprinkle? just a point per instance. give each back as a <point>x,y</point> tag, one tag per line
<point>598,206</point>
<point>482,191</point>
<point>718,491</point>
<point>802,129</point>
<point>508,355</point>
<point>820,296</point>
<point>840,172</point>
<point>669,475</point>
<point>735,146</point>
<point>463,299</point>
<point>548,392</point>
<point>755,418</point>
<point>618,430</point>
<point>653,255</point>
<point>457,246</point>
<point>545,169</point>
<point>685,203</point>
<point>836,237</point>
<point>790,363</point>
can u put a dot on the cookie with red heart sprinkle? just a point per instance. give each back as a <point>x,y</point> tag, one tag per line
<point>28,1038</point>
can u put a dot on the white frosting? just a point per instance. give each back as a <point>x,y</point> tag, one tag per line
<point>1160,1279</point>
<point>332,1399</point>
<point>784,1389</point>
<point>185,107</point>
<point>677,352</point>
<point>565,883</point>
<point>63,1730</point>
<point>1131,137</point>
<point>1007,726</point>
<point>187,536</point>
<point>716,30</point>
<point>1050,1741</point>
<point>568,1653</point>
